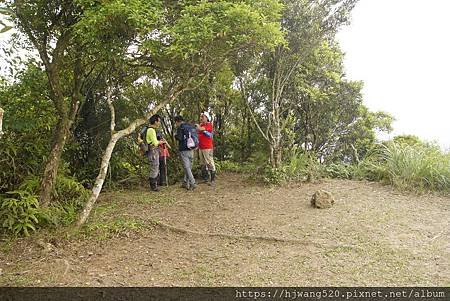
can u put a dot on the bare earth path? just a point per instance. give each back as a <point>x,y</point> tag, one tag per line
<point>243,234</point>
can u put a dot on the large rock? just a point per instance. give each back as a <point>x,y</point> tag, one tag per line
<point>322,199</point>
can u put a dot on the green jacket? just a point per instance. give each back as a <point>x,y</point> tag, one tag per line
<point>151,137</point>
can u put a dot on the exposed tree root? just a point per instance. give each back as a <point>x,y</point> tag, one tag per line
<point>238,237</point>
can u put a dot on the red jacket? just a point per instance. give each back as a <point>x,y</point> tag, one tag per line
<point>205,140</point>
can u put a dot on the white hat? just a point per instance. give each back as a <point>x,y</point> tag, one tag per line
<point>207,115</point>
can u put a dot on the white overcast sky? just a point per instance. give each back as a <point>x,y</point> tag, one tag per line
<point>401,50</point>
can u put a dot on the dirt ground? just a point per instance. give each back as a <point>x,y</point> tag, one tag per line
<point>240,233</point>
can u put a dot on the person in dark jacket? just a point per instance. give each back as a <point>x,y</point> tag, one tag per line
<point>186,154</point>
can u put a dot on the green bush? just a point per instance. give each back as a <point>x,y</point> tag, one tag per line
<point>304,166</point>
<point>230,166</point>
<point>340,170</point>
<point>21,155</point>
<point>19,213</point>
<point>275,176</point>
<point>67,189</point>
<point>301,167</point>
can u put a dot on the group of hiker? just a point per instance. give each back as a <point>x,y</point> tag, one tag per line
<point>190,138</point>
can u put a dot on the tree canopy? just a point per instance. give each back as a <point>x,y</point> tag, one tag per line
<point>271,73</point>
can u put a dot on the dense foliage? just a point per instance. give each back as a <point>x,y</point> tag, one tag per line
<point>271,72</point>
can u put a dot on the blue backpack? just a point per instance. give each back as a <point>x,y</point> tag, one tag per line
<point>190,136</point>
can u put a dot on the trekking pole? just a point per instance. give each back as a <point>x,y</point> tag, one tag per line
<point>165,166</point>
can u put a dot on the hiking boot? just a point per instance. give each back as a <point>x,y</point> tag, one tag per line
<point>161,183</point>
<point>192,186</point>
<point>184,185</point>
<point>154,184</point>
<point>205,175</point>
<point>213,179</point>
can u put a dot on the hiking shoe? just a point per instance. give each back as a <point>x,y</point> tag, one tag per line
<point>192,186</point>
<point>213,179</point>
<point>184,185</point>
<point>153,184</point>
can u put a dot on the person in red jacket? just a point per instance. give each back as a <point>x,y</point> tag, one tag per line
<point>206,147</point>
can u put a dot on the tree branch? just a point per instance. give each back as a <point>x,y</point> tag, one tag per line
<point>241,86</point>
<point>111,109</point>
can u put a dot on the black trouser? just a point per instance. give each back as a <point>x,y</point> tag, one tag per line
<point>162,177</point>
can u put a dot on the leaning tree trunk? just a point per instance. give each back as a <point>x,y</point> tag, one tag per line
<point>116,136</point>
<point>100,178</point>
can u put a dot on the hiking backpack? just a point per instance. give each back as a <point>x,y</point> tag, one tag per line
<point>143,145</point>
<point>190,136</point>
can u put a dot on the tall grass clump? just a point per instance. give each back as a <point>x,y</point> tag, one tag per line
<point>417,167</point>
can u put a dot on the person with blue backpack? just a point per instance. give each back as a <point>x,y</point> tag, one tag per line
<point>187,142</point>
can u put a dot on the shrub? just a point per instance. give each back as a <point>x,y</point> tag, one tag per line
<point>21,155</point>
<point>227,165</point>
<point>19,213</point>
<point>301,167</point>
<point>340,170</point>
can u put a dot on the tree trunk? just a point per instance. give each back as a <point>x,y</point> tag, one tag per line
<point>116,136</point>
<point>272,156</point>
<point>62,132</point>
<point>51,166</point>
<point>1,122</point>
<point>100,179</point>
<point>275,154</point>
<point>67,116</point>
